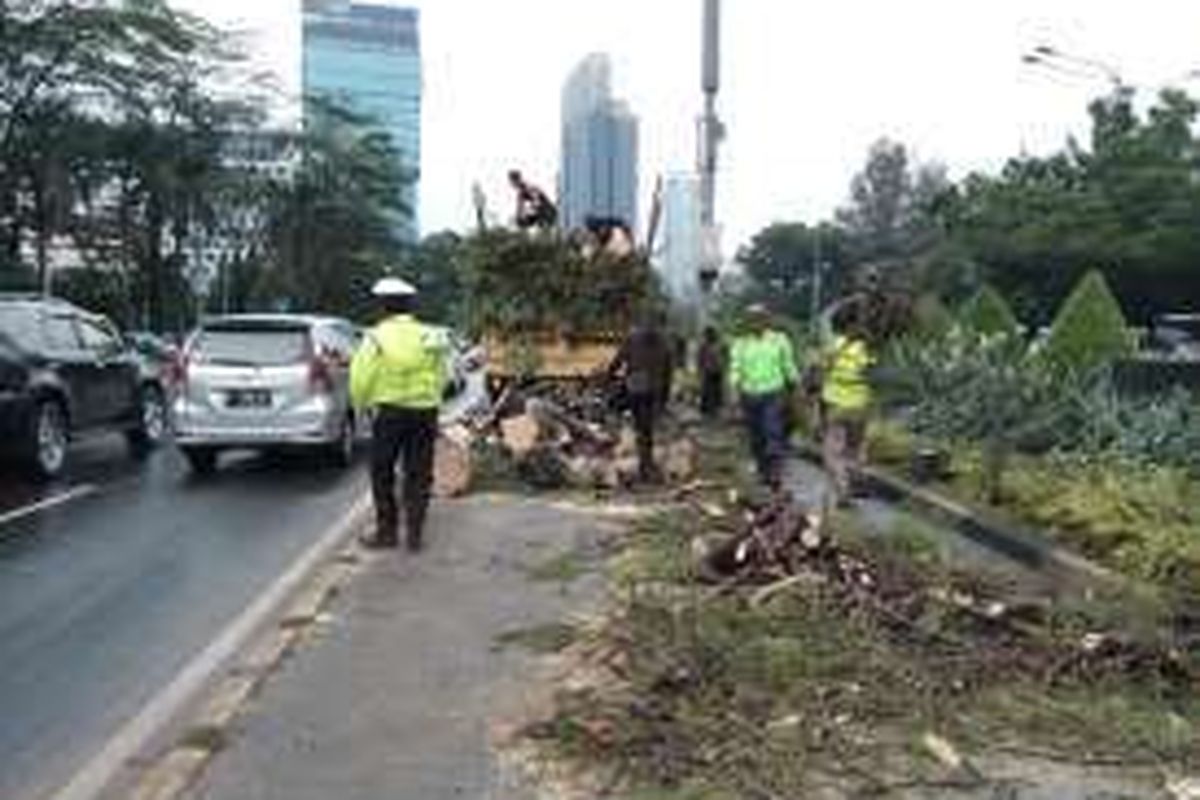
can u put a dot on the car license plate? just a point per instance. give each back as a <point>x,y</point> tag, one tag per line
<point>248,398</point>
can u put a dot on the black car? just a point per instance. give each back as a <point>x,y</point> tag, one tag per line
<point>65,372</point>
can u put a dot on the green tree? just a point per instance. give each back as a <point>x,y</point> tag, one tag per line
<point>334,228</point>
<point>101,101</point>
<point>779,262</point>
<point>931,319</point>
<point>435,267</point>
<point>1126,206</point>
<point>890,214</point>
<point>1090,329</point>
<point>988,313</point>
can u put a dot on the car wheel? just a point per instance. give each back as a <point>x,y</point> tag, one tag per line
<point>202,460</point>
<point>341,452</point>
<point>47,445</point>
<point>152,422</point>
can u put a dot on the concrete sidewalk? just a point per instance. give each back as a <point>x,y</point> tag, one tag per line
<point>395,693</point>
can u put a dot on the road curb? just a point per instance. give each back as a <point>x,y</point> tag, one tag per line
<point>1017,543</point>
<point>247,652</point>
<point>169,776</point>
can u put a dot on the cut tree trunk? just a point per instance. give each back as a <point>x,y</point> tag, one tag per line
<point>520,434</point>
<point>452,463</point>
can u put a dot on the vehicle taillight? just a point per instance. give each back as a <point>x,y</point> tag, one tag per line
<point>320,377</point>
<point>177,371</point>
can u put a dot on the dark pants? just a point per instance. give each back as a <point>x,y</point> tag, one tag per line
<point>763,415</point>
<point>712,393</point>
<point>409,434</point>
<point>645,407</point>
<point>787,410</point>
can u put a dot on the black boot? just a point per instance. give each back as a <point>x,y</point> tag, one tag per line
<point>414,531</point>
<point>382,539</point>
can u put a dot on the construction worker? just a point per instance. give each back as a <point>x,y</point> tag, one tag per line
<point>399,372</point>
<point>645,364</point>
<point>763,366</point>
<point>846,398</point>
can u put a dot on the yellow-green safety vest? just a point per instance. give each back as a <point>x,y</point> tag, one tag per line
<point>762,363</point>
<point>401,362</point>
<point>845,384</point>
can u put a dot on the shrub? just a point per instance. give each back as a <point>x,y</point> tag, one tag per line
<point>989,314</point>
<point>931,318</point>
<point>1090,330</point>
<point>1140,520</point>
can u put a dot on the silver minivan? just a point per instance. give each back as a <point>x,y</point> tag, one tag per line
<point>266,381</point>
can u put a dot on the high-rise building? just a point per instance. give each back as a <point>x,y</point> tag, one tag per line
<point>679,258</point>
<point>369,57</point>
<point>599,173</point>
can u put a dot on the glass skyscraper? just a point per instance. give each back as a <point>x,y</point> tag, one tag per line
<point>369,57</point>
<point>680,256</point>
<point>599,173</point>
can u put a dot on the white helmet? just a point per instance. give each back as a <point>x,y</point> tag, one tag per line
<point>393,287</point>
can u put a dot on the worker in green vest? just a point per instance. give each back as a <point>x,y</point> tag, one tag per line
<point>399,372</point>
<point>846,396</point>
<point>762,369</point>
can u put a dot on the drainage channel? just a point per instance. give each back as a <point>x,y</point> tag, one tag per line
<point>881,514</point>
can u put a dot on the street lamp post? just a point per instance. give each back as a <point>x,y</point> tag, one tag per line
<point>1090,68</point>
<point>815,309</point>
<point>1055,59</point>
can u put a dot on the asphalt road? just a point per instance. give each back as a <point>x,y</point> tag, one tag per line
<point>114,579</point>
<point>105,596</point>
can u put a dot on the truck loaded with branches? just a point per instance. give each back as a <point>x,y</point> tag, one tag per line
<point>549,306</point>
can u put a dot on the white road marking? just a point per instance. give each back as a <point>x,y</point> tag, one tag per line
<point>75,493</point>
<point>132,738</point>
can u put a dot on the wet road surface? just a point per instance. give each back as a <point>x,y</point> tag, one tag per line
<point>113,579</point>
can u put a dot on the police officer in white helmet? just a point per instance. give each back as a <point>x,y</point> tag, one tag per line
<point>399,372</point>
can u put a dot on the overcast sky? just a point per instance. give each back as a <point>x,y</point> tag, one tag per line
<point>806,86</point>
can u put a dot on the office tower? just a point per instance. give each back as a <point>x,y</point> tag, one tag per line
<point>369,57</point>
<point>681,251</point>
<point>598,176</point>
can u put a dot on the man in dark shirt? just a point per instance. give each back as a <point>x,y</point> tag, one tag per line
<point>710,363</point>
<point>644,364</point>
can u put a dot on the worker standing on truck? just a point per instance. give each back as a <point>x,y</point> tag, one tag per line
<point>644,364</point>
<point>534,208</point>
<point>399,372</point>
<point>763,367</point>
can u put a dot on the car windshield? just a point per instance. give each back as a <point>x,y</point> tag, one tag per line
<point>255,347</point>
<point>18,324</point>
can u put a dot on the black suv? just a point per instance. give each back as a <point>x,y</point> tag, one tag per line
<point>64,372</point>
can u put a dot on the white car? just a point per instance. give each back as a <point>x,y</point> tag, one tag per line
<point>268,382</point>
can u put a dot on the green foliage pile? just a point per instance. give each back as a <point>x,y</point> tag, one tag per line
<point>1090,329</point>
<point>533,284</point>
<point>988,313</point>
